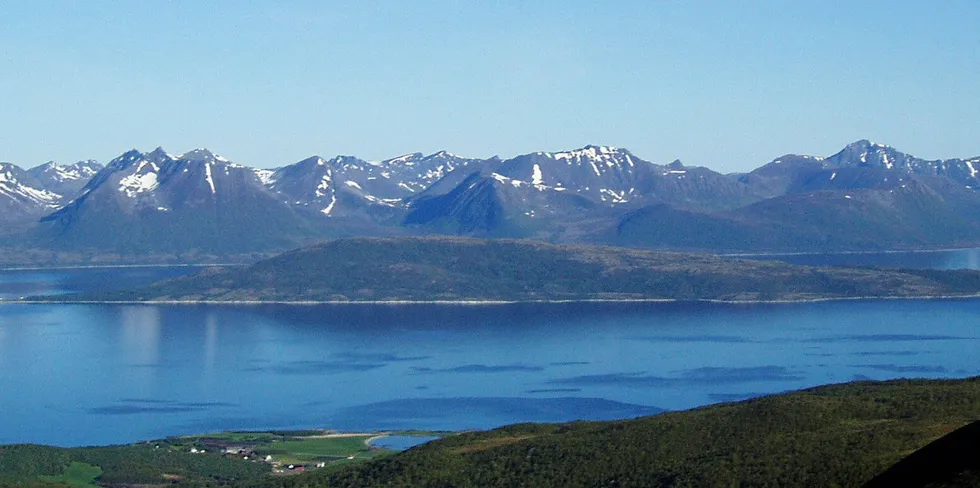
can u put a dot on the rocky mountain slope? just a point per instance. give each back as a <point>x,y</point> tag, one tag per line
<point>156,202</point>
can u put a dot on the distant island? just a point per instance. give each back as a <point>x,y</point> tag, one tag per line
<point>456,269</point>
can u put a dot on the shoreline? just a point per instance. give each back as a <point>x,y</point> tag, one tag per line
<point>481,302</point>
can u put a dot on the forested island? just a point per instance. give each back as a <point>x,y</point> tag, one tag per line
<point>454,269</point>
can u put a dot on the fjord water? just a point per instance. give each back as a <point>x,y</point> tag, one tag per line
<point>58,281</point>
<point>95,374</point>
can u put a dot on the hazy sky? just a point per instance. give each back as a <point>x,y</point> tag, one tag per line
<point>728,84</point>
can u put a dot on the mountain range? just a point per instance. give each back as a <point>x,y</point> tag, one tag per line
<point>867,196</point>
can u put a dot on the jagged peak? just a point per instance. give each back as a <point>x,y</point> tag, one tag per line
<point>126,159</point>
<point>160,152</point>
<point>676,164</point>
<point>159,156</point>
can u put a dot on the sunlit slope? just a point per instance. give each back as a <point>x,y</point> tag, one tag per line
<point>840,435</point>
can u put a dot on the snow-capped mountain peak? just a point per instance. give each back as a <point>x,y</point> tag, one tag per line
<point>17,187</point>
<point>872,154</point>
<point>202,154</point>
<point>60,173</point>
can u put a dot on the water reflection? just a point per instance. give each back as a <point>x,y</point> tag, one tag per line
<point>210,341</point>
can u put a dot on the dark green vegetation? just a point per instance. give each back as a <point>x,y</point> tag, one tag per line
<point>840,435</point>
<point>77,474</point>
<point>448,268</point>
<point>144,464</point>
<point>207,460</point>
<point>951,461</point>
<point>223,459</point>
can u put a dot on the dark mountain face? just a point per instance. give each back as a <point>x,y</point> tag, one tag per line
<point>911,214</point>
<point>155,202</point>
<point>777,177</point>
<point>499,206</point>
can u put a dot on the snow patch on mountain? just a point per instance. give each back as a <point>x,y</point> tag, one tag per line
<point>406,159</point>
<point>333,201</point>
<point>144,179</point>
<point>209,177</point>
<point>321,189</point>
<point>266,176</point>
<point>57,172</point>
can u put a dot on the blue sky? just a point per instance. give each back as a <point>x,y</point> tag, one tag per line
<point>728,84</point>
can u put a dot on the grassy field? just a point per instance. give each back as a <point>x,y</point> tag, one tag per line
<point>77,474</point>
<point>321,449</point>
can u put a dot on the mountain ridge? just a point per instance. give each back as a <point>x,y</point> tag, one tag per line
<point>594,194</point>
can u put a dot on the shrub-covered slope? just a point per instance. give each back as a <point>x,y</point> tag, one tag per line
<point>841,435</point>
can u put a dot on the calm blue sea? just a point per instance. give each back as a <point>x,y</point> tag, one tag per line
<point>96,374</point>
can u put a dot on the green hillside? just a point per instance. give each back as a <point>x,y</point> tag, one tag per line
<point>840,435</point>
